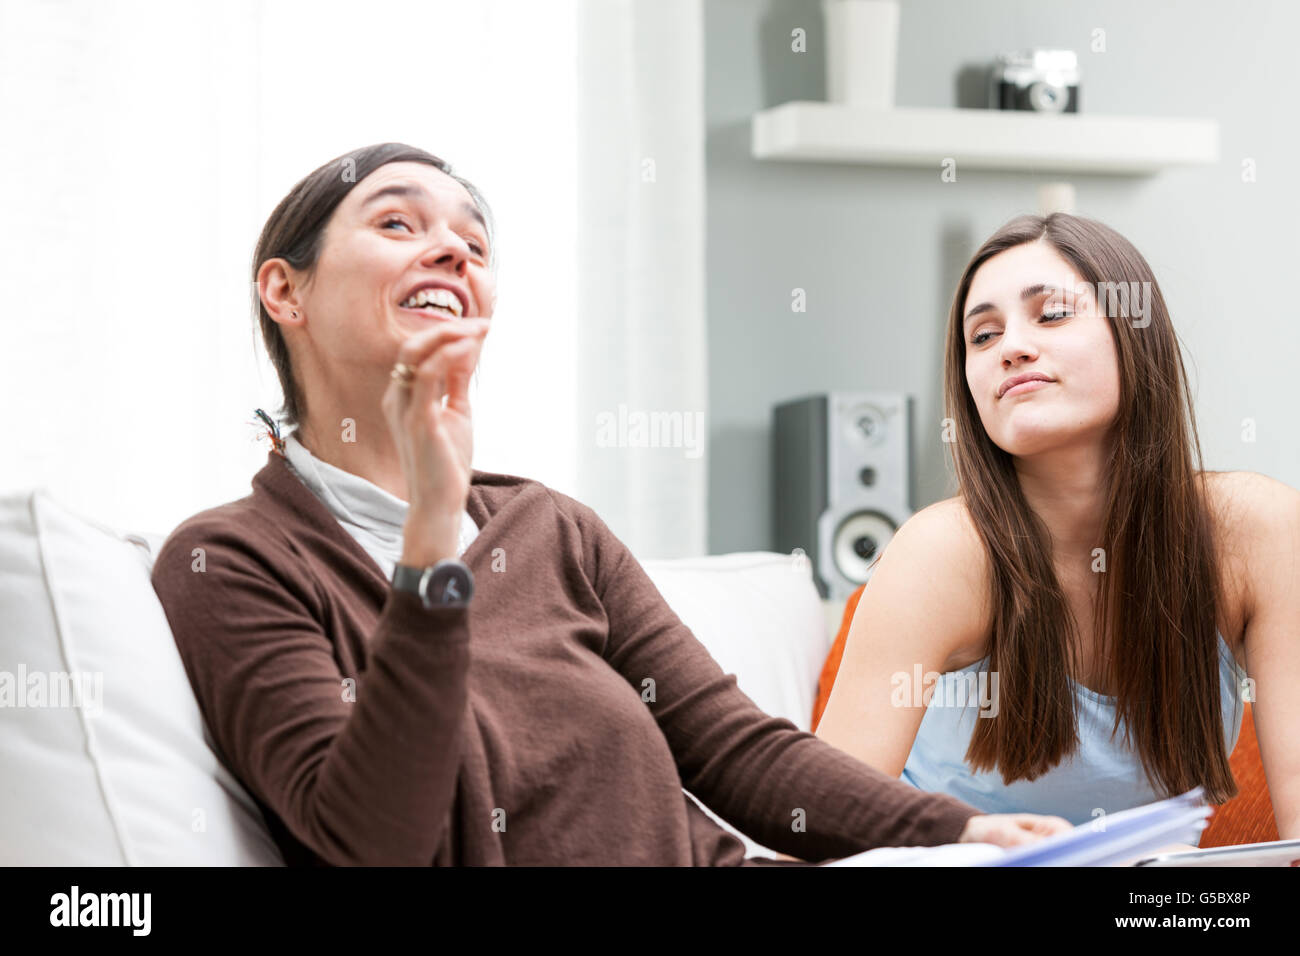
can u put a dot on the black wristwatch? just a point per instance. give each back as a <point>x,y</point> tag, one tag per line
<point>445,584</point>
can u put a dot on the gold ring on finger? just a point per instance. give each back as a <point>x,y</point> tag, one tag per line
<point>403,374</point>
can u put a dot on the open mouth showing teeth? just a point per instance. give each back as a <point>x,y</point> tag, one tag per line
<point>437,301</point>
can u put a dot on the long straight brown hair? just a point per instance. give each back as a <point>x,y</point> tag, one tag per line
<point>1157,602</point>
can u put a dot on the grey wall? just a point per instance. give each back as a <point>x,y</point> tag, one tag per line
<point>878,250</point>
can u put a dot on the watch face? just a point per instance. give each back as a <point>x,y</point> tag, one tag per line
<point>448,584</point>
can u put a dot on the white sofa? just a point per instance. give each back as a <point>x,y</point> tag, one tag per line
<point>103,753</point>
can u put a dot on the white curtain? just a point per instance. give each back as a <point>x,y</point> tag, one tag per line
<point>642,395</point>
<point>143,144</point>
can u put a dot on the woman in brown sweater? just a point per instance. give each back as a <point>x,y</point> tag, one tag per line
<point>526,698</point>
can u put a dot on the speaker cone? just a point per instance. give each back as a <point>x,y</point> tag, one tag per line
<point>858,541</point>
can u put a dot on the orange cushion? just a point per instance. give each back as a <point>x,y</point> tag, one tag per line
<point>1246,818</point>
<point>832,665</point>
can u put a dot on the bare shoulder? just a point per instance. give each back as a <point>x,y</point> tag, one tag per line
<point>948,526</point>
<point>954,510</point>
<point>1250,511</point>
<point>1248,498</point>
<point>948,549</point>
<point>1231,496</point>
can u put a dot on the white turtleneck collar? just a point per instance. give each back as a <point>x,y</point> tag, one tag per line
<point>373,516</point>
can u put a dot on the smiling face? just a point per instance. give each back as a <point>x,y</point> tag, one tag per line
<point>406,228</point>
<point>1028,311</point>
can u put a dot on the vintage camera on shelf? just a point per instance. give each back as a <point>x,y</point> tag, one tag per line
<point>1045,81</point>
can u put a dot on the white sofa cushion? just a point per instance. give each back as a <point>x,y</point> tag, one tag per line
<point>760,616</point>
<point>128,776</point>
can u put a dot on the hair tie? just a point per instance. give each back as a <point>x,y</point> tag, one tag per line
<point>272,431</point>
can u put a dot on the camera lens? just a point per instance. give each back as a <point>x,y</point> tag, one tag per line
<point>1048,97</point>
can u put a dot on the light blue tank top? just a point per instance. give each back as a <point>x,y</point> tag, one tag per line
<point>1102,775</point>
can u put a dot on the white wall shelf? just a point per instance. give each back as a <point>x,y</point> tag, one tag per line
<point>982,139</point>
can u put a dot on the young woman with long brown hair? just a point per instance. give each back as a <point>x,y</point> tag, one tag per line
<point>1104,595</point>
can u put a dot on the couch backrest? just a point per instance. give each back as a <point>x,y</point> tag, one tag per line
<point>760,616</point>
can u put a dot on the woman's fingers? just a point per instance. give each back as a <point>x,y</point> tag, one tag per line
<point>413,353</point>
<point>1036,825</point>
<point>416,353</point>
<point>458,378</point>
<point>435,449</point>
<point>422,344</point>
<point>1052,825</point>
<point>444,371</point>
<point>1013,829</point>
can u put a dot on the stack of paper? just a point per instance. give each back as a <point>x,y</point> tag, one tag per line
<point>1109,840</point>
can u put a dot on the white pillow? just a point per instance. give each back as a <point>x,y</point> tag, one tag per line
<point>759,614</point>
<point>126,774</point>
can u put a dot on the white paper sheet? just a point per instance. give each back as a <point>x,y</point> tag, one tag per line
<point>1108,841</point>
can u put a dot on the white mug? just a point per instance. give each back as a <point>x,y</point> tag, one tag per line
<point>861,52</point>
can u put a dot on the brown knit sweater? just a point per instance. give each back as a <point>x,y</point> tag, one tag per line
<point>555,721</point>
